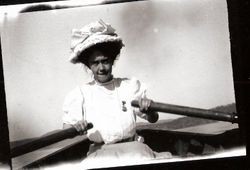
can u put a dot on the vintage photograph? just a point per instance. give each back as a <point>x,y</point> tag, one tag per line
<point>119,84</point>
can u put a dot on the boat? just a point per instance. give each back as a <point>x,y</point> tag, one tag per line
<point>194,141</point>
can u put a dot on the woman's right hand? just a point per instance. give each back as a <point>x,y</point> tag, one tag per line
<point>81,127</point>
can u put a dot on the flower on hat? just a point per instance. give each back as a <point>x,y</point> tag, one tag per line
<point>90,35</point>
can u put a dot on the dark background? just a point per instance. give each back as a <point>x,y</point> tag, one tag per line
<point>239,28</point>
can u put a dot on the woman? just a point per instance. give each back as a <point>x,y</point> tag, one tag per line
<point>106,101</point>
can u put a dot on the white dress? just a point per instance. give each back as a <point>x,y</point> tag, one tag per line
<point>108,107</point>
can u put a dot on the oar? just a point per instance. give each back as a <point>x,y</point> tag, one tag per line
<point>190,111</point>
<point>45,140</point>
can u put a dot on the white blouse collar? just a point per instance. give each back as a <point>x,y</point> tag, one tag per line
<point>106,83</point>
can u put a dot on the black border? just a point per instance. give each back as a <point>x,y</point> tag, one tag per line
<point>15,2</point>
<point>239,28</point>
<point>233,163</point>
<point>4,130</point>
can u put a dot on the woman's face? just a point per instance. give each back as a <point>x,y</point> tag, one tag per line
<point>101,66</point>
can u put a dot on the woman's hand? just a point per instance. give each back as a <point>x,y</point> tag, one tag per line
<point>144,105</point>
<point>81,127</point>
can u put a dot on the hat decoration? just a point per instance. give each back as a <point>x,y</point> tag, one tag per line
<point>90,35</point>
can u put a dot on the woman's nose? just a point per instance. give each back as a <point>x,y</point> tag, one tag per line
<point>101,66</point>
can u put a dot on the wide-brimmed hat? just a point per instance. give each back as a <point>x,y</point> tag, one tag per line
<point>92,34</point>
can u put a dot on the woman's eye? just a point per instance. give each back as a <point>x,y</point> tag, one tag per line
<point>105,61</point>
<point>94,63</point>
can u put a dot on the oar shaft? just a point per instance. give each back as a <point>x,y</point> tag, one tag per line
<point>189,111</point>
<point>46,140</point>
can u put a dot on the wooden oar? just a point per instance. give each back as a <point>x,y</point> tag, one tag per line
<point>45,140</point>
<point>190,111</point>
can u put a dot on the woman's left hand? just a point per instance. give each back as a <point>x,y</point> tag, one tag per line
<point>144,104</point>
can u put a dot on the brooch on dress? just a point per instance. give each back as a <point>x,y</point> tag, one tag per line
<point>124,108</point>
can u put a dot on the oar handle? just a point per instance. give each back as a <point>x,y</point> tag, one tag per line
<point>89,126</point>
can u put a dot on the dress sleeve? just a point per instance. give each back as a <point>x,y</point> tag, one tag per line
<point>73,106</point>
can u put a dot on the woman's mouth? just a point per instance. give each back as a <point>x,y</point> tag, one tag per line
<point>102,74</point>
